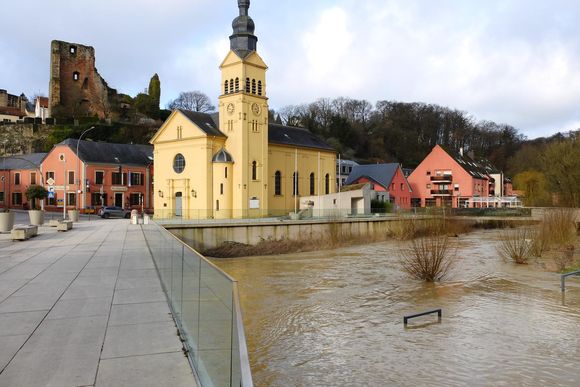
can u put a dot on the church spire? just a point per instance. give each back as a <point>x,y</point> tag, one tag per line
<point>243,41</point>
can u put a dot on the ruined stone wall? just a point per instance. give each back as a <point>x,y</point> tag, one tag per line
<point>76,89</point>
<point>17,139</point>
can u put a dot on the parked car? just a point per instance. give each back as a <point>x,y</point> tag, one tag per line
<point>114,212</point>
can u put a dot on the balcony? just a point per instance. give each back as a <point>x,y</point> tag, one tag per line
<point>442,179</point>
<point>441,192</point>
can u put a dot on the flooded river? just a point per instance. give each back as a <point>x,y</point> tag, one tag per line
<point>335,318</point>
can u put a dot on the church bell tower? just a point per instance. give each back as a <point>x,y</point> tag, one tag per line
<point>243,117</point>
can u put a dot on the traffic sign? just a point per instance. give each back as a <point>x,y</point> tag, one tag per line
<point>51,190</point>
<point>51,194</point>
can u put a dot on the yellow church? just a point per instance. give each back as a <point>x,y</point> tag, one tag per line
<point>236,164</point>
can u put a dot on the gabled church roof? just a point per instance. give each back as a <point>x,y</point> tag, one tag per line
<point>204,121</point>
<point>293,136</point>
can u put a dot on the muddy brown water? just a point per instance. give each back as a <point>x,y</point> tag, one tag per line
<point>335,318</point>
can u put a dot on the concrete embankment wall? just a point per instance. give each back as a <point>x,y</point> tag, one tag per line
<point>208,236</point>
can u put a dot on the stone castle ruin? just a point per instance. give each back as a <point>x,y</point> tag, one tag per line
<point>76,89</point>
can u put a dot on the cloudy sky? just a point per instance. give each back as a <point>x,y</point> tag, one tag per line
<point>510,61</point>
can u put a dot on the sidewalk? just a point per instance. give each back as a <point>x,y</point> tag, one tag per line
<point>86,308</point>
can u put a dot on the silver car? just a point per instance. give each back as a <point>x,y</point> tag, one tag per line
<point>114,212</point>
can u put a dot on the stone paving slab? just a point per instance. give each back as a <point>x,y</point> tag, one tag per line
<point>86,308</point>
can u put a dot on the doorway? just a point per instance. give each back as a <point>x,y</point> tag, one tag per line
<point>119,199</point>
<point>178,204</point>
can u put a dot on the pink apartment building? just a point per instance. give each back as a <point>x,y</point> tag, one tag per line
<point>17,173</point>
<point>446,178</point>
<point>101,174</point>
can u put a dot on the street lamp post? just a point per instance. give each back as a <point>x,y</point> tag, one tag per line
<point>78,166</point>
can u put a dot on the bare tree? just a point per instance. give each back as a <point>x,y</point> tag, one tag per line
<point>192,100</point>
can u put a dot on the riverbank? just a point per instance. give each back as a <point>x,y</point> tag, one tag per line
<point>337,236</point>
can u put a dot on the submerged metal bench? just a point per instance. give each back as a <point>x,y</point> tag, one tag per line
<point>64,225</point>
<point>407,318</point>
<point>23,232</point>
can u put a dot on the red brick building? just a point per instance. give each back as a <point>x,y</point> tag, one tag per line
<point>384,178</point>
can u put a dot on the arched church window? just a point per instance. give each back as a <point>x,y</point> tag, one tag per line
<point>278,183</point>
<point>295,188</point>
<point>231,85</point>
<point>247,85</point>
<point>312,183</point>
<point>226,87</point>
<point>254,170</point>
<point>237,84</point>
<point>259,87</point>
<point>253,86</point>
<point>327,184</point>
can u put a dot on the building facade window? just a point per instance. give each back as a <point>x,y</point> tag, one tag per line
<point>17,198</point>
<point>231,86</point>
<point>226,172</point>
<point>50,175</point>
<point>237,84</point>
<point>327,184</point>
<point>2,197</point>
<point>76,76</point>
<point>402,187</point>
<point>253,86</point>
<point>226,87</point>
<point>71,199</point>
<point>71,177</point>
<point>259,87</point>
<point>254,170</point>
<point>179,163</point>
<point>116,178</point>
<point>217,205</point>
<point>247,85</point>
<point>32,177</point>
<point>221,188</point>
<point>295,185</point>
<point>135,199</point>
<point>17,178</point>
<point>278,183</point>
<point>312,183</point>
<point>136,178</point>
<point>99,177</point>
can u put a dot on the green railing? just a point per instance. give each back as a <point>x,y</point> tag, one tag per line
<point>205,305</point>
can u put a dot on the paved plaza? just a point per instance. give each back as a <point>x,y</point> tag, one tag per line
<point>86,308</point>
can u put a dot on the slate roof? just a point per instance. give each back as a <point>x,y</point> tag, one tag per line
<point>17,162</point>
<point>380,173</point>
<point>108,153</point>
<point>204,121</point>
<point>222,156</point>
<point>474,168</point>
<point>277,134</point>
<point>293,136</point>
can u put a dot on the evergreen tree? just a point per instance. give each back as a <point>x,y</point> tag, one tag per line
<point>155,94</point>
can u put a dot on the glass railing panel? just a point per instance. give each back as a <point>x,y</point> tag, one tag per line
<point>205,306</point>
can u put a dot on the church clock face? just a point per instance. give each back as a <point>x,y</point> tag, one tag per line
<point>231,108</point>
<point>256,109</point>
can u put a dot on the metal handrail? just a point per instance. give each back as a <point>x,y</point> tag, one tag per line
<point>407,318</point>
<point>563,279</point>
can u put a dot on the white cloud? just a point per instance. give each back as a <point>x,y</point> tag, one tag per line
<point>512,62</point>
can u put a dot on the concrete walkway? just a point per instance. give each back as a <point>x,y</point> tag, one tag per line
<point>86,308</point>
